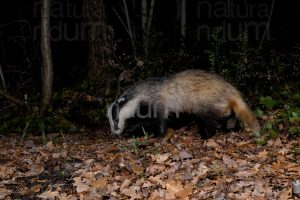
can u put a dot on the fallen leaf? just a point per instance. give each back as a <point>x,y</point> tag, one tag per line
<point>50,146</point>
<point>136,168</point>
<point>35,170</point>
<point>161,158</point>
<point>80,185</point>
<point>36,188</point>
<point>6,172</point>
<point>263,155</point>
<point>172,188</point>
<point>283,151</point>
<point>132,192</point>
<point>212,144</point>
<point>187,191</point>
<point>185,155</point>
<point>49,195</point>
<point>286,193</point>
<point>100,183</point>
<point>125,184</point>
<point>229,162</point>
<point>4,192</point>
<point>155,168</point>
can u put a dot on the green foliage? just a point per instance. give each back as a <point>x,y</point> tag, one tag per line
<point>261,142</point>
<point>137,143</point>
<point>267,102</point>
<point>258,112</point>
<point>296,151</point>
<point>285,120</point>
<point>296,97</point>
<point>18,120</point>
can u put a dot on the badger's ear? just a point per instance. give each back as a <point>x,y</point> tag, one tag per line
<point>122,100</point>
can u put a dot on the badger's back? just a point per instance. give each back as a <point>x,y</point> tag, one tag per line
<point>203,93</point>
<point>197,91</point>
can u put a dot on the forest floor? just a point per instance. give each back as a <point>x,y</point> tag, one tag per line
<point>179,165</point>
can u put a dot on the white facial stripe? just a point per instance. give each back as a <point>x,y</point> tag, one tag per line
<point>121,100</point>
<point>126,112</point>
<point>109,115</point>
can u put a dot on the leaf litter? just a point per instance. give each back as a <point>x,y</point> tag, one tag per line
<point>179,165</point>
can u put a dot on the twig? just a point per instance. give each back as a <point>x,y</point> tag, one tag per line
<point>127,26</point>
<point>2,79</point>
<point>12,98</point>
<point>150,16</point>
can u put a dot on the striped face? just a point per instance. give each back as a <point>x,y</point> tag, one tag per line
<point>113,114</point>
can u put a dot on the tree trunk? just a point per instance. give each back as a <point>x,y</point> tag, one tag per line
<point>47,69</point>
<point>147,14</point>
<point>98,40</point>
<point>183,22</point>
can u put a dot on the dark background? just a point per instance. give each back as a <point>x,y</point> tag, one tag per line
<point>20,39</point>
<point>216,40</point>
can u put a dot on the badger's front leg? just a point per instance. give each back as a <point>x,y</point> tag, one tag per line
<point>162,122</point>
<point>163,127</point>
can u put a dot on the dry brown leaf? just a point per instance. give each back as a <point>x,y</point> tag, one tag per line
<point>80,185</point>
<point>212,144</point>
<point>36,188</point>
<point>243,195</point>
<point>283,151</point>
<point>4,193</point>
<point>248,172</point>
<point>100,183</point>
<point>6,172</point>
<point>187,191</point>
<point>136,168</point>
<point>286,193</point>
<point>155,168</point>
<point>202,169</point>
<point>172,188</point>
<point>245,173</point>
<point>147,184</point>
<point>185,155</point>
<point>157,195</point>
<point>35,170</point>
<point>157,180</point>
<point>132,192</point>
<point>50,146</point>
<point>229,162</point>
<point>263,155</point>
<point>126,184</point>
<point>278,142</point>
<point>49,195</point>
<point>161,158</point>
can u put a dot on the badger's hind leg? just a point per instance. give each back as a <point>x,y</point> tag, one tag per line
<point>207,126</point>
<point>211,123</point>
<point>230,123</point>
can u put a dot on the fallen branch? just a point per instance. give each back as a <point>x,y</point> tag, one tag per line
<point>12,98</point>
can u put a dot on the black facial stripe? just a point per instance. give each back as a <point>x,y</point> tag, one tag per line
<point>115,111</point>
<point>116,126</point>
<point>118,105</point>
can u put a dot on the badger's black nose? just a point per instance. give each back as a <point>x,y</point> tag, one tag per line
<point>116,127</point>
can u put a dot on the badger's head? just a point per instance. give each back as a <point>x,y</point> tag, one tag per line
<point>121,110</point>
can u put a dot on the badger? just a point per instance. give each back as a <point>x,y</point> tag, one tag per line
<point>206,95</point>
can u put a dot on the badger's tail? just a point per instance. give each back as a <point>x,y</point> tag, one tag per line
<point>244,113</point>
